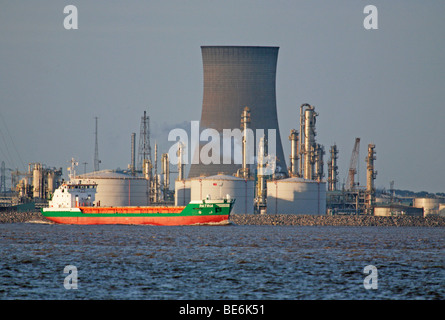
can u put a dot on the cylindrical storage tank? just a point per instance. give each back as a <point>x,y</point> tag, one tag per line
<point>118,189</point>
<point>442,209</point>
<point>51,184</point>
<point>383,199</point>
<point>182,192</point>
<point>37,181</point>
<point>219,186</point>
<point>429,205</point>
<point>296,196</point>
<point>387,210</point>
<point>382,211</point>
<point>23,186</point>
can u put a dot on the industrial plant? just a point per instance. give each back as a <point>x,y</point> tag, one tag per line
<point>238,93</point>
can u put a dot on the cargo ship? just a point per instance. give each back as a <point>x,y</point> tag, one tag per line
<point>73,203</point>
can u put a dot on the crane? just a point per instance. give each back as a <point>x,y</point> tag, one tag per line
<point>353,165</point>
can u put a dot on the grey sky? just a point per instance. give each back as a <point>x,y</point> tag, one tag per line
<point>386,86</point>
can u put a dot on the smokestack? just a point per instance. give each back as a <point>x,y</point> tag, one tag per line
<point>133,153</point>
<point>235,77</point>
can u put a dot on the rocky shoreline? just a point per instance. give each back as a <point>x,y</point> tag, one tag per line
<point>17,217</point>
<point>337,220</point>
<point>280,219</point>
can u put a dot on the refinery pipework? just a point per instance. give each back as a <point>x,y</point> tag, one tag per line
<point>307,140</point>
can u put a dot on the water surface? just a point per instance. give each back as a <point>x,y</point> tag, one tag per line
<point>220,262</point>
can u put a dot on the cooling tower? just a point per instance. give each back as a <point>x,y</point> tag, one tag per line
<point>236,77</point>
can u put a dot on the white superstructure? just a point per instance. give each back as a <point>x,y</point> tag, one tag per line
<point>72,195</point>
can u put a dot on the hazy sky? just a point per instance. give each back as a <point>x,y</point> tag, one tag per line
<point>386,86</point>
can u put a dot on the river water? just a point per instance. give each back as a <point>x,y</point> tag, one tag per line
<point>220,262</point>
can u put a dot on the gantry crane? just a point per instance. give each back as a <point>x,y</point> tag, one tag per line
<point>350,181</point>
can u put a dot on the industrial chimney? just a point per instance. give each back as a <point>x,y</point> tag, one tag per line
<point>236,77</point>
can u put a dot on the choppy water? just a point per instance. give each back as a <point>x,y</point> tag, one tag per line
<point>220,262</point>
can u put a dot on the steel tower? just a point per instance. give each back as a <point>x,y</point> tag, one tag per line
<point>96,150</point>
<point>144,152</point>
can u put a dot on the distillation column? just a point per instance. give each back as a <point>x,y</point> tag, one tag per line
<point>370,177</point>
<point>181,166</point>
<point>245,121</point>
<point>307,149</point>
<point>146,172</point>
<point>261,172</point>
<point>294,153</point>
<point>319,163</point>
<point>166,174</point>
<point>155,187</point>
<point>333,169</point>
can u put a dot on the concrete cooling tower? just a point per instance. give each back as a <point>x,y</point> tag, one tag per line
<point>236,77</point>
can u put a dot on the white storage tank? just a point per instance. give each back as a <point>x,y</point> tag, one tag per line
<point>37,181</point>
<point>118,189</point>
<point>429,205</point>
<point>386,210</point>
<point>219,186</point>
<point>296,196</point>
<point>442,210</point>
<point>182,192</point>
